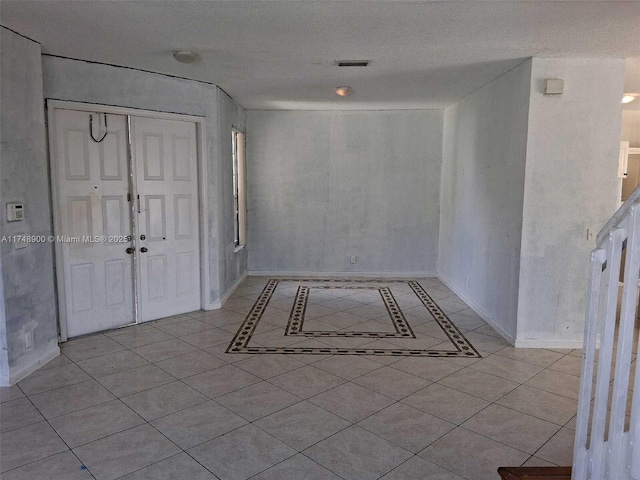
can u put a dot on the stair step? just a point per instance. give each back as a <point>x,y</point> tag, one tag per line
<point>535,473</point>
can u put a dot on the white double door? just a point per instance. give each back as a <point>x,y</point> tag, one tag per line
<point>126,218</point>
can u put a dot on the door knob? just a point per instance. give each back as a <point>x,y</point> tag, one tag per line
<point>130,250</point>
<point>144,250</point>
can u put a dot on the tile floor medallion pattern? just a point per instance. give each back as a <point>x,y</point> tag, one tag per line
<point>164,401</point>
<point>380,298</point>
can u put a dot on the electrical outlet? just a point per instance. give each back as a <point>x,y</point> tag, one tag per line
<point>354,259</point>
<point>28,339</point>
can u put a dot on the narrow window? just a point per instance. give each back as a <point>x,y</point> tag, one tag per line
<point>239,194</point>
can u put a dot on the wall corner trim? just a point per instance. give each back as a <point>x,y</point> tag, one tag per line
<point>480,311</point>
<point>14,377</point>
<point>549,343</point>
<point>216,305</point>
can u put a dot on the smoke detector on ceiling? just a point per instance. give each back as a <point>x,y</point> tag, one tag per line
<point>185,56</point>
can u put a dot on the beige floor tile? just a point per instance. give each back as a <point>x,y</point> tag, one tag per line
<point>17,414</point>
<point>432,369</point>
<point>431,329</point>
<point>535,462</point>
<point>446,403</point>
<point>112,363</point>
<point>179,466</point>
<point>99,345</point>
<point>516,429</point>
<point>267,366</point>
<point>507,368</point>
<point>140,335</point>
<point>479,384</point>
<point>534,356</point>
<point>241,453</point>
<point>209,338</point>
<point>135,380</point>
<point>568,364</point>
<point>156,352</point>
<point>10,393</point>
<point>258,400</point>
<point>163,400</point>
<point>61,401</point>
<point>297,467</point>
<point>392,382</point>
<point>125,452</point>
<point>559,449</point>
<point>417,468</point>
<point>302,425</point>
<point>547,406</point>
<point>486,343</point>
<point>190,364</point>
<point>28,444</point>
<point>58,377</point>
<point>221,381</point>
<point>471,455</point>
<point>556,382</point>
<point>93,423</point>
<point>182,329</point>
<point>347,366</point>
<point>62,466</point>
<point>356,454</point>
<point>59,361</point>
<point>351,402</point>
<point>198,424</point>
<point>307,381</point>
<point>407,427</point>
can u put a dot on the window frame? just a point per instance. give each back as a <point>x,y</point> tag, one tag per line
<point>238,157</point>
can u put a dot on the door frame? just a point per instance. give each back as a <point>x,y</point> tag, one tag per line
<point>203,205</point>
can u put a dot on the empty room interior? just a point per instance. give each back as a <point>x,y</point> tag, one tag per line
<point>313,239</point>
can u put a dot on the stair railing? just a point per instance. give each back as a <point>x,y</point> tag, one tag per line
<point>604,449</point>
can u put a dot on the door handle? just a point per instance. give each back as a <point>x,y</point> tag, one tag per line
<point>144,250</point>
<point>130,250</point>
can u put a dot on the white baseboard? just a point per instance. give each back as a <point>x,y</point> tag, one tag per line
<point>219,303</point>
<point>549,344</point>
<point>480,311</point>
<point>14,376</point>
<point>298,274</point>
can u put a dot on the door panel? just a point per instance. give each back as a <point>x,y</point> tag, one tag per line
<point>164,171</point>
<point>92,186</point>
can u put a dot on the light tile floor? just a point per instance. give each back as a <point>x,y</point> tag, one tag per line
<point>163,401</point>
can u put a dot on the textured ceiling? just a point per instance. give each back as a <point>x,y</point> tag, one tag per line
<point>280,54</point>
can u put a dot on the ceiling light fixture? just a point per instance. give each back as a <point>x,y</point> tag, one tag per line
<point>185,56</point>
<point>344,91</point>
<point>628,98</point>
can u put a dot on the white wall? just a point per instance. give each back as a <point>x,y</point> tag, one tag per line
<point>80,81</point>
<point>571,185</point>
<point>27,285</point>
<point>327,185</point>
<point>483,165</point>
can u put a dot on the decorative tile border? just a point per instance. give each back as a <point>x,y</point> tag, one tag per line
<point>240,342</point>
<point>296,318</point>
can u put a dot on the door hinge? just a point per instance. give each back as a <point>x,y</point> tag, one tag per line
<point>128,197</point>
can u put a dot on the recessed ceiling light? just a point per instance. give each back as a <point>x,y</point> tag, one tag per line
<point>628,98</point>
<point>344,91</point>
<point>185,56</point>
